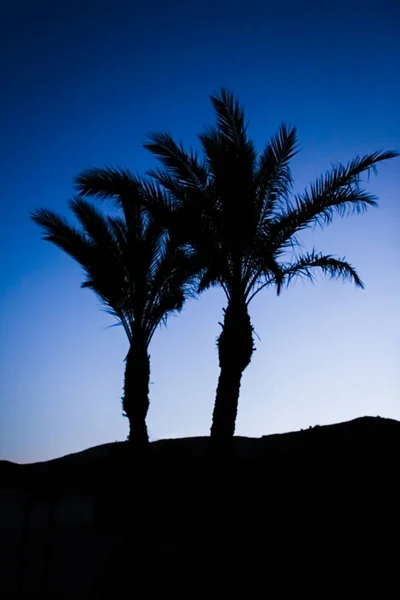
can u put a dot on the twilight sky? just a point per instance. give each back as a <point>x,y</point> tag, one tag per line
<point>82,82</point>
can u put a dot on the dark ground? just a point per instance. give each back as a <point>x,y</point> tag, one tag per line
<point>310,514</point>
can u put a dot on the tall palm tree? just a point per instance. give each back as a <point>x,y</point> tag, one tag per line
<point>235,208</point>
<point>131,266</point>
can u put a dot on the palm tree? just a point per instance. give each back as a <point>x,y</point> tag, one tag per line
<point>235,208</point>
<point>131,266</point>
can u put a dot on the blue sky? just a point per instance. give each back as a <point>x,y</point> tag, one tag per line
<point>82,83</point>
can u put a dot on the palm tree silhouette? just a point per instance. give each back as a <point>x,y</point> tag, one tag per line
<point>235,208</point>
<point>131,265</point>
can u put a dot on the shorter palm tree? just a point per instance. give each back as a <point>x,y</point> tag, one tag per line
<point>131,266</point>
<point>235,208</point>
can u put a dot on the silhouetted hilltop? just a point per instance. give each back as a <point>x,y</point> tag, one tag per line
<point>363,431</point>
<point>289,512</point>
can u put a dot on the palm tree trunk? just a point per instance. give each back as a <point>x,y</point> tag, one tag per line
<point>136,392</point>
<point>235,349</point>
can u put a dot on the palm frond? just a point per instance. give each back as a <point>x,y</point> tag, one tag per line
<point>230,194</point>
<point>174,192</point>
<point>230,117</point>
<point>94,223</point>
<point>215,271</point>
<point>156,246</point>
<point>102,265</point>
<point>335,268</point>
<point>185,166</point>
<point>106,183</point>
<point>152,194</point>
<point>337,192</point>
<point>173,281</point>
<point>107,271</point>
<point>231,160</point>
<point>273,179</point>
<point>265,270</point>
<point>117,226</point>
<point>68,238</point>
<point>213,144</point>
<point>120,185</point>
<point>209,279</point>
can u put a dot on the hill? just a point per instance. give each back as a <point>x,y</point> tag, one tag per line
<point>305,514</point>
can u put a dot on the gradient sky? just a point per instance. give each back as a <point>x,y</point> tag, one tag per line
<point>82,82</point>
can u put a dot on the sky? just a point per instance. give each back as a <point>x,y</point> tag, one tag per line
<point>82,83</point>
